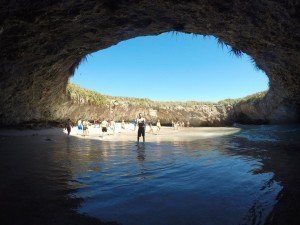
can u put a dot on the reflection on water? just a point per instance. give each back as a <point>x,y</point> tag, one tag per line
<point>248,178</point>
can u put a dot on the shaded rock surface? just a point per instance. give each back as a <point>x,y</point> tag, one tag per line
<point>42,42</point>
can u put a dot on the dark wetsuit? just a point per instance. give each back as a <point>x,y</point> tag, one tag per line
<point>141,130</point>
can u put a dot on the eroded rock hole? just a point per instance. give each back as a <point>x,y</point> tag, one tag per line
<point>173,76</point>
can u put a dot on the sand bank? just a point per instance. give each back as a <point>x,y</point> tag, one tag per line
<point>129,134</point>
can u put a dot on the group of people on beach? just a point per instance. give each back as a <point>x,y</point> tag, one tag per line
<point>109,126</point>
<point>82,127</point>
<point>106,126</point>
<point>180,124</point>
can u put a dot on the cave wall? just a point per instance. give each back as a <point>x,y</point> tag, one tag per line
<point>42,43</point>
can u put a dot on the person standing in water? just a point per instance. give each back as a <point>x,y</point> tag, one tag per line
<point>68,126</point>
<point>141,122</point>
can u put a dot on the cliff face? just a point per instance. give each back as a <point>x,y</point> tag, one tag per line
<point>82,103</point>
<point>265,109</point>
<point>197,114</point>
<point>90,105</point>
<point>42,42</point>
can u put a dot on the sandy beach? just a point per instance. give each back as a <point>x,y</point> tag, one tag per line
<point>129,134</point>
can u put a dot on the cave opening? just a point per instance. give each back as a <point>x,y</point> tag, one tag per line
<point>172,66</point>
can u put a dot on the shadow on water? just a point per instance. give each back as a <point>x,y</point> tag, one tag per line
<point>282,160</point>
<point>278,153</point>
<point>55,179</point>
<point>37,185</point>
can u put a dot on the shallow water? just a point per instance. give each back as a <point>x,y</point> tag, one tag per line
<point>251,177</point>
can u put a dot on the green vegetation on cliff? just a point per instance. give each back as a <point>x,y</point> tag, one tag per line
<point>254,98</point>
<point>81,95</point>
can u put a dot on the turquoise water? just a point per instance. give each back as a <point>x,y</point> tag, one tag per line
<point>246,178</point>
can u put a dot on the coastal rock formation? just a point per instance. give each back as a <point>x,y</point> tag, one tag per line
<point>263,111</point>
<point>81,103</point>
<point>42,43</point>
<point>197,114</point>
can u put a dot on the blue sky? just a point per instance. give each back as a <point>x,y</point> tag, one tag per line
<point>170,67</point>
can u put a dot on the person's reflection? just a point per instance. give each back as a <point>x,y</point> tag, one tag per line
<point>141,155</point>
